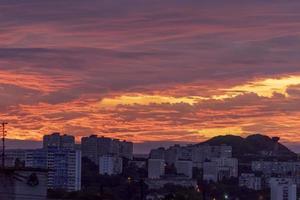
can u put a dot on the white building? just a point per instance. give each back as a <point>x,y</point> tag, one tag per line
<point>110,165</point>
<point>250,181</point>
<point>219,168</point>
<point>156,168</point>
<point>64,167</point>
<point>184,167</point>
<point>283,189</point>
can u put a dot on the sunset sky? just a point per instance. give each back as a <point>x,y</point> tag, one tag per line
<point>151,71</point>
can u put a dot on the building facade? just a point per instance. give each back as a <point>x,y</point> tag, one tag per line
<point>61,159</point>
<point>93,147</point>
<point>184,167</point>
<point>110,165</point>
<point>220,168</point>
<point>55,140</point>
<point>250,181</point>
<point>283,189</point>
<point>156,168</point>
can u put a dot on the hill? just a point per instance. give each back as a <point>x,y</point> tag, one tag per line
<point>253,145</point>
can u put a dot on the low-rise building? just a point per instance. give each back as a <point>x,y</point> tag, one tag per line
<point>250,181</point>
<point>219,168</point>
<point>184,167</point>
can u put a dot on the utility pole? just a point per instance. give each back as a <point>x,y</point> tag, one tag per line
<point>3,143</point>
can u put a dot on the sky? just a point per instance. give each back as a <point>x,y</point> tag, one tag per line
<point>150,71</point>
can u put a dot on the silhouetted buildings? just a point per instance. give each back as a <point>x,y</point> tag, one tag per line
<point>93,147</point>
<point>55,140</point>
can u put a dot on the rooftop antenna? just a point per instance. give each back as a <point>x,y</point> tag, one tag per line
<point>3,143</point>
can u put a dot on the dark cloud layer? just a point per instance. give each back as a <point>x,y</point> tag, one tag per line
<point>59,60</point>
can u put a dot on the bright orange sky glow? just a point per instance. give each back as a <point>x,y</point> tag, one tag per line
<point>160,71</point>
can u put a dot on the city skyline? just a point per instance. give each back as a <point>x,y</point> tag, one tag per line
<point>150,72</point>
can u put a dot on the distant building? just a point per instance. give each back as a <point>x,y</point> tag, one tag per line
<point>210,171</point>
<point>37,158</point>
<point>110,165</point>
<point>23,184</point>
<point>184,167</point>
<point>55,140</point>
<point>89,147</point>
<point>278,169</point>
<point>219,168</point>
<point>126,149</point>
<point>138,162</point>
<point>158,153</point>
<point>155,196</point>
<point>275,167</point>
<point>283,189</point>
<point>156,168</point>
<point>64,166</point>
<point>197,153</point>
<point>52,140</point>
<point>16,154</point>
<point>93,147</point>
<point>179,181</point>
<point>250,181</point>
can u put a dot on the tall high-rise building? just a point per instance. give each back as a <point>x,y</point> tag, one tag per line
<point>52,140</point>
<point>283,189</point>
<point>89,147</point>
<point>126,149</point>
<point>55,140</point>
<point>61,159</point>
<point>64,166</point>
<point>93,147</point>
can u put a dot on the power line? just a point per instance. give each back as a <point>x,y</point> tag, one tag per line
<point>3,143</point>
